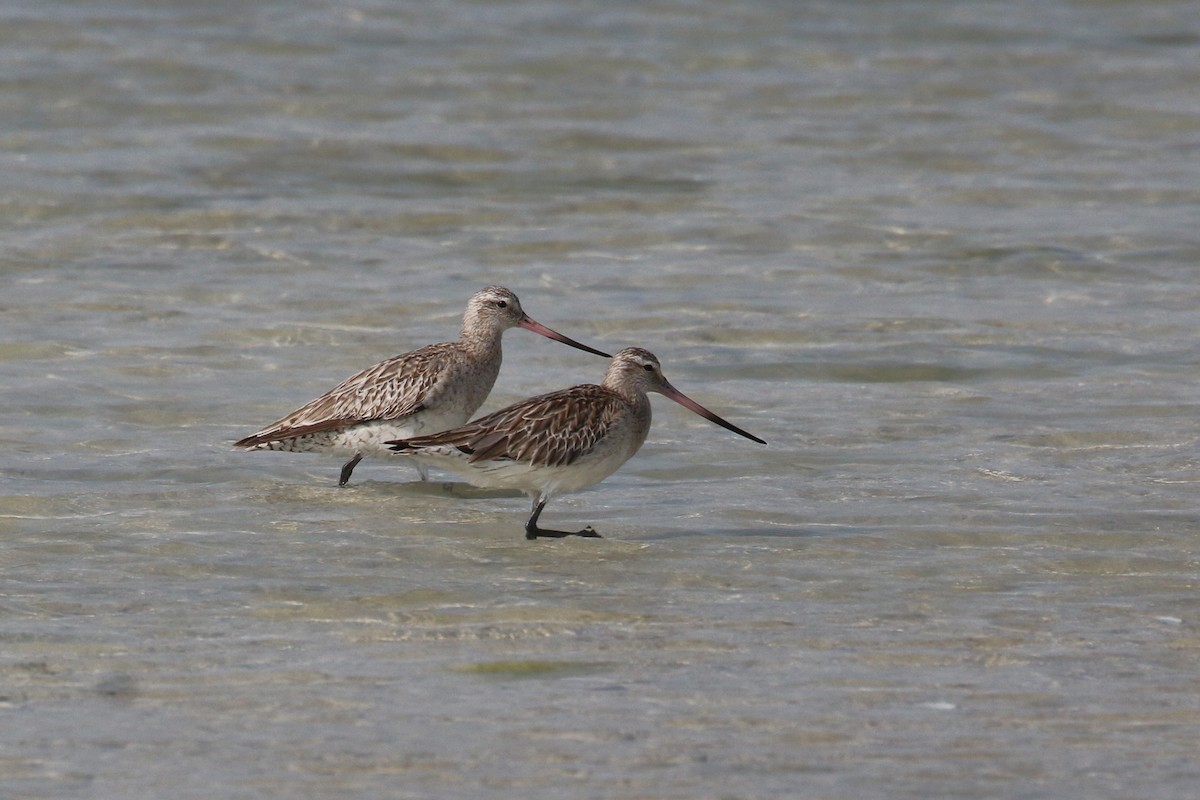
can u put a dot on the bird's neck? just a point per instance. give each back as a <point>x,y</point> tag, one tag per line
<point>479,341</point>
<point>635,398</point>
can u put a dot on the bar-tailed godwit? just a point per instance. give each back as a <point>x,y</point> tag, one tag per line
<point>559,442</point>
<point>430,389</point>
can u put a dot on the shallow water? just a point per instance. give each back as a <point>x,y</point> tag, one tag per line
<point>942,257</point>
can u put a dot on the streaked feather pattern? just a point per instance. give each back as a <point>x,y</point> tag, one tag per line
<point>563,441</point>
<point>430,389</point>
<point>391,389</point>
<point>551,430</point>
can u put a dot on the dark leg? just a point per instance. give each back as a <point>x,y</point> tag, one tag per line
<point>532,531</point>
<point>348,468</point>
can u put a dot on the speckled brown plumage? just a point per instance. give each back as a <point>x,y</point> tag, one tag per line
<point>430,389</point>
<point>551,430</point>
<point>559,442</point>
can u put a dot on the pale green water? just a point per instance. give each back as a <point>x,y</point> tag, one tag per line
<point>942,256</point>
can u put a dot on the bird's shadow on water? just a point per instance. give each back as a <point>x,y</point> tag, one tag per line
<point>461,490</point>
<point>437,488</point>
<point>743,535</point>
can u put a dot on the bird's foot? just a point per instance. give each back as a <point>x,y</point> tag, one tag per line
<point>534,532</point>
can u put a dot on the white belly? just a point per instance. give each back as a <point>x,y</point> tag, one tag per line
<point>367,438</point>
<point>545,481</point>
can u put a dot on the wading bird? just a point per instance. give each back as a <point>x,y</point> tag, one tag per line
<point>430,389</point>
<point>559,442</point>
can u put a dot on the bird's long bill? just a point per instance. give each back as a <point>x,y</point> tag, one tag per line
<point>691,405</point>
<point>537,327</point>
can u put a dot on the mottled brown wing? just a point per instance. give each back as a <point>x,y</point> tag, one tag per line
<point>552,429</point>
<point>391,389</point>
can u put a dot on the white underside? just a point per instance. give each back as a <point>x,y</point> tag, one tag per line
<point>367,439</point>
<point>540,482</point>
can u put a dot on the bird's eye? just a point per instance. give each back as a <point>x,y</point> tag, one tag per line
<point>501,304</point>
<point>648,367</point>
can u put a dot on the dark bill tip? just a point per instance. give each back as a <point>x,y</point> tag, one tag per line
<point>537,327</point>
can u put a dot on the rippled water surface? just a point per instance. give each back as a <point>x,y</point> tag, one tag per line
<point>941,256</point>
